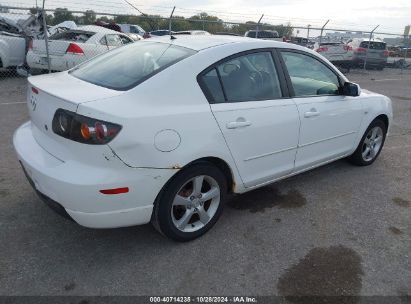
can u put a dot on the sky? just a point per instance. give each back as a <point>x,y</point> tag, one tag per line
<point>392,15</point>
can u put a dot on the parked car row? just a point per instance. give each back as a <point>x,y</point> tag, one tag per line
<point>355,53</point>
<point>70,45</point>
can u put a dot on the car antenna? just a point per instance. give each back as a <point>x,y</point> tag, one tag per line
<point>169,24</point>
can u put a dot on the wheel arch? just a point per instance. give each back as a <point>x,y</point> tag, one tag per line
<point>220,164</point>
<point>383,118</point>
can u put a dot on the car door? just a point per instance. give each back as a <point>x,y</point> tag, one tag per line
<point>329,121</point>
<point>259,123</point>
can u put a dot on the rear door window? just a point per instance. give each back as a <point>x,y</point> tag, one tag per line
<point>250,77</point>
<point>213,86</point>
<point>113,40</point>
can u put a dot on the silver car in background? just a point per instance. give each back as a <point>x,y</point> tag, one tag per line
<point>375,51</point>
<point>339,53</point>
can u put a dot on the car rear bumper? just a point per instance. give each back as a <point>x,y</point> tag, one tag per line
<point>76,187</point>
<point>371,61</point>
<point>57,63</point>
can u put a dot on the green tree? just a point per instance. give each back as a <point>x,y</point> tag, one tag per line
<point>89,17</point>
<point>206,22</point>
<point>62,14</point>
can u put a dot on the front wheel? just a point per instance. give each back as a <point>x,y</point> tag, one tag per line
<point>370,145</point>
<point>191,203</point>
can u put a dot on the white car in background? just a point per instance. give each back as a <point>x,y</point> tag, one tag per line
<point>195,33</point>
<point>108,148</point>
<point>339,53</point>
<point>74,46</point>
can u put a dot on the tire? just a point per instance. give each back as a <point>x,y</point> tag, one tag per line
<point>380,68</point>
<point>360,157</point>
<point>182,211</point>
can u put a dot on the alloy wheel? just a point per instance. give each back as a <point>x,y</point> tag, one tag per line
<point>195,203</point>
<point>372,143</point>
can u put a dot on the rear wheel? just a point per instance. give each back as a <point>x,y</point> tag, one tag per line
<point>191,202</point>
<point>370,145</point>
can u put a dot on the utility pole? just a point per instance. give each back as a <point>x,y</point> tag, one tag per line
<point>369,44</point>
<point>258,26</point>
<point>322,29</point>
<point>46,36</point>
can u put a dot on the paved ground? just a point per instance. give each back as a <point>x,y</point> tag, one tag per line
<point>336,230</point>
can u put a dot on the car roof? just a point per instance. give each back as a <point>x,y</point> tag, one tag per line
<point>95,28</point>
<point>201,42</point>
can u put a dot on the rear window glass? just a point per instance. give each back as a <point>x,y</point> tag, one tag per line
<point>262,34</point>
<point>76,36</point>
<point>126,67</point>
<point>373,45</point>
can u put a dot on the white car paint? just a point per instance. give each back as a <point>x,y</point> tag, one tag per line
<point>60,59</point>
<point>164,130</point>
<point>12,50</point>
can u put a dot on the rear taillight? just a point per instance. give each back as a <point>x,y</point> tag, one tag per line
<point>74,49</point>
<point>34,90</point>
<point>146,35</point>
<point>386,53</point>
<point>347,48</point>
<point>30,46</point>
<point>360,50</point>
<point>322,49</point>
<point>83,129</point>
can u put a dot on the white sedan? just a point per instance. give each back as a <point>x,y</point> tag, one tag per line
<point>74,46</point>
<point>163,130</point>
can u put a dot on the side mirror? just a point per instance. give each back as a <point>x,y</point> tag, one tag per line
<point>351,89</point>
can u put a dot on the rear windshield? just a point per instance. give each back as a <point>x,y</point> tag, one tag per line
<point>332,43</point>
<point>77,36</point>
<point>262,34</point>
<point>128,66</point>
<point>373,45</point>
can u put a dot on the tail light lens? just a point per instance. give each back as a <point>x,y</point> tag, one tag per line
<point>347,48</point>
<point>146,35</point>
<point>83,129</point>
<point>360,50</point>
<point>30,46</point>
<point>322,49</point>
<point>386,53</point>
<point>74,49</point>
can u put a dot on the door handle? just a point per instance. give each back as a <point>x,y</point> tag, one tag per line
<point>311,113</point>
<point>238,124</point>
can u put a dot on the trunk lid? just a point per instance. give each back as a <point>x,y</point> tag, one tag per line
<point>46,94</point>
<point>56,47</point>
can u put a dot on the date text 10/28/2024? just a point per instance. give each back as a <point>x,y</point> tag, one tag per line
<point>235,299</point>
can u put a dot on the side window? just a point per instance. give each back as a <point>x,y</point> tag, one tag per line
<point>213,86</point>
<point>250,77</point>
<point>113,40</point>
<point>309,76</point>
<point>125,40</point>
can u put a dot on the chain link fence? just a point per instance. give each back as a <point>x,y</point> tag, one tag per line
<point>36,40</point>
